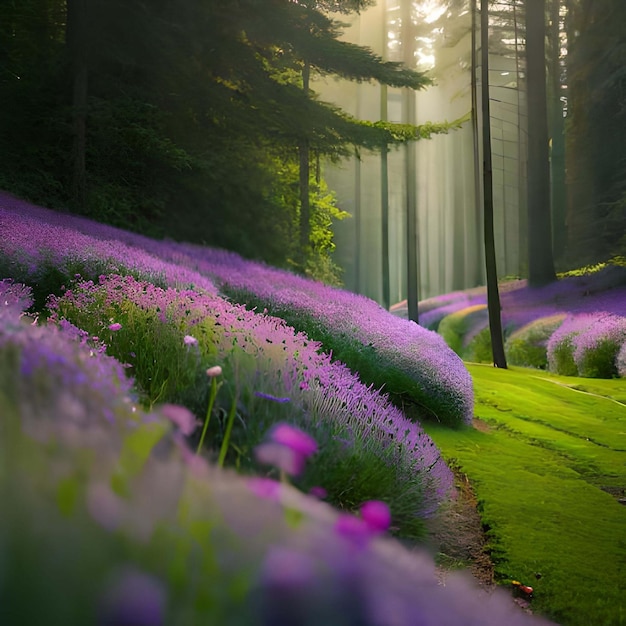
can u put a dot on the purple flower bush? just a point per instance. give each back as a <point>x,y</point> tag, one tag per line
<point>390,353</point>
<point>561,344</point>
<point>290,377</point>
<point>595,350</point>
<point>528,346</point>
<point>14,299</point>
<point>403,358</point>
<point>114,520</point>
<point>36,243</point>
<point>594,294</point>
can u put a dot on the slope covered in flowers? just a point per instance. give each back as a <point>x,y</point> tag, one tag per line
<point>116,516</point>
<point>402,358</point>
<point>575,326</point>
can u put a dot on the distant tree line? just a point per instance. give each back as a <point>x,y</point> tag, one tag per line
<point>595,149</point>
<point>189,119</point>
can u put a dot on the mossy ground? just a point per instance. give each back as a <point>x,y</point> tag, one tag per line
<point>548,467</point>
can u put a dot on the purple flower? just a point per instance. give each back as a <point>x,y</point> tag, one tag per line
<point>266,488</point>
<point>267,396</point>
<point>281,456</point>
<point>376,515</point>
<point>104,506</point>
<point>287,568</point>
<point>295,439</point>
<point>318,492</point>
<point>115,327</point>
<point>354,529</point>
<point>181,417</point>
<point>133,598</point>
<point>188,340</point>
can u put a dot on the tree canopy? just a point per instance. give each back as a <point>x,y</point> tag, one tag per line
<point>191,113</point>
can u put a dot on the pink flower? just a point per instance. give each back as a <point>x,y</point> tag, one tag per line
<point>282,457</point>
<point>376,515</point>
<point>188,340</point>
<point>318,492</point>
<point>294,438</point>
<point>182,417</point>
<point>214,371</point>
<point>264,488</point>
<point>115,327</point>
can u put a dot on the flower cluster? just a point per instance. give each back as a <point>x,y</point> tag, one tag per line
<point>34,239</point>
<point>419,360</point>
<point>315,386</point>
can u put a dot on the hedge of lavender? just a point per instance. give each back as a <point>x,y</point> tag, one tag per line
<point>114,520</point>
<point>262,358</point>
<point>594,299</point>
<point>394,355</point>
<point>400,357</point>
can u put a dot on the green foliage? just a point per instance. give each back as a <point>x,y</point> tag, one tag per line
<point>527,346</point>
<point>479,348</point>
<point>194,115</point>
<point>562,357</point>
<point>599,360</point>
<point>458,328</point>
<point>164,369</point>
<point>357,474</point>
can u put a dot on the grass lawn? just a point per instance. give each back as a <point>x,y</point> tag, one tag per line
<point>548,466</point>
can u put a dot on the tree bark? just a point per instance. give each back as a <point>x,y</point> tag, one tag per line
<point>493,296</point>
<point>412,273</point>
<point>540,260</point>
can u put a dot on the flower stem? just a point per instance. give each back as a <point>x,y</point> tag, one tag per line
<point>209,410</point>
<point>229,427</point>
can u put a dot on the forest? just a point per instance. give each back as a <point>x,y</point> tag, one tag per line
<point>258,367</point>
<point>192,119</point>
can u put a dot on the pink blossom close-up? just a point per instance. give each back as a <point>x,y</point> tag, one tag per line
<point>295,439</point>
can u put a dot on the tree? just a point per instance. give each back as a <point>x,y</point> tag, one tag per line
<point>596,130</point>
<point>493,297</point>
<point>540,259</point>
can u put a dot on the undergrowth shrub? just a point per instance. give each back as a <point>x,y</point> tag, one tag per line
<point>399,359</point>
<point>596,349</point>
<point>561,345</point>
<point>528,346</point>
<point>270,374</point>
<point>479,348</point>
<point>459,328</point>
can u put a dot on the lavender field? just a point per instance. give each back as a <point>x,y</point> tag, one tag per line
<point>171,457</point>
<point>574,327</point>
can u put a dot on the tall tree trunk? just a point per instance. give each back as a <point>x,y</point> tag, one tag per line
<point>77,40</point>
<point>384,205</point>
<point>412,273</point>
<point>305,208</point>
<point>493,296</point>
<point>540,259</point>
<point>557,134</point>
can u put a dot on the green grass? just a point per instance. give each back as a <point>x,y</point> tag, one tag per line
<point>553,449</point>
